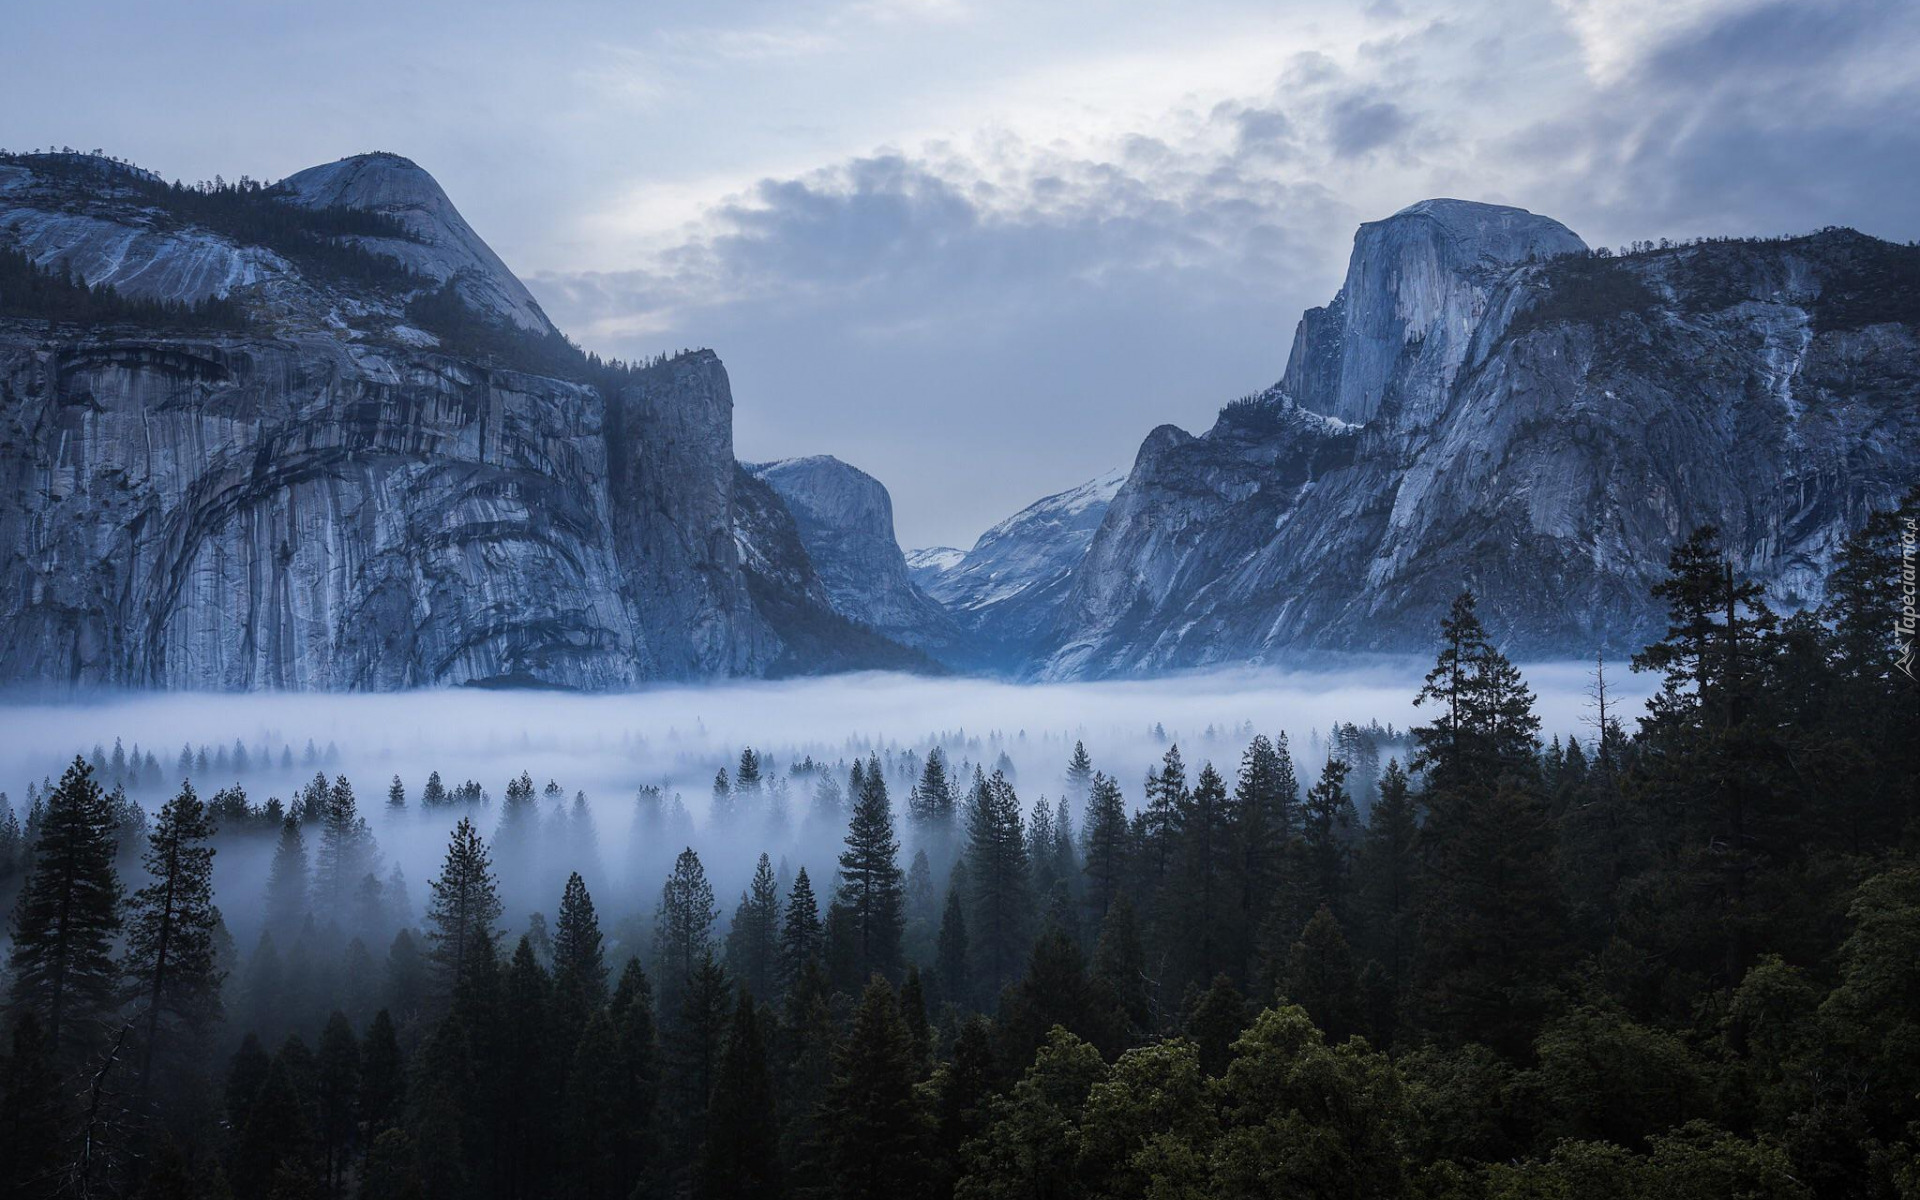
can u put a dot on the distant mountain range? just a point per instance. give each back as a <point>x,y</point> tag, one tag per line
<point>319,437</point>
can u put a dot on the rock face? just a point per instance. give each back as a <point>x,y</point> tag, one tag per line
<point>1004,590</point>
<point>444,246</point>
<point>1417,288</point>
<point>1471,413</point>
<point>330,499</point>
<point>845,519</point>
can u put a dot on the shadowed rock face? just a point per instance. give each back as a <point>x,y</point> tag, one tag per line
<point>1554,431</point>
<point>845,518</point>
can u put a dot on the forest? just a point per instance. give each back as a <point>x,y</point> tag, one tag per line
<point>1673,952</point>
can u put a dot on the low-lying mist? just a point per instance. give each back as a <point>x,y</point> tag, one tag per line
<point>611,750</point>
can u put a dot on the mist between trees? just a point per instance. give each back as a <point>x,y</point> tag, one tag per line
<point>1186,938</point>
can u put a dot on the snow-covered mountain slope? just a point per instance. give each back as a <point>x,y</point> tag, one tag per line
<point>1542,430</point>
<point>1003,590</point>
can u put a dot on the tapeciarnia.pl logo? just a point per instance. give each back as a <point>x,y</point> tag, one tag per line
<point>1904,625</point>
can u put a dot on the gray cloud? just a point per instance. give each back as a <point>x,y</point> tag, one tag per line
<point>970,338</point>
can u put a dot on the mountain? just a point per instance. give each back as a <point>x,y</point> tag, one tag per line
<point>1487,404</point>
<point>844,517</point>
<point>439,244</point>
<point>319,437</point>
<point>1003,591</point>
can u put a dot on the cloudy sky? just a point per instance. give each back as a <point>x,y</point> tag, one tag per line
<point>981,248</point>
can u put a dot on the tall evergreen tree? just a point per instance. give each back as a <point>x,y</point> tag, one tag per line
<point>753,943</point>
<point>345,853</point>
<point>931,804</point>
<point>694,1042</point>
<point>871,885</point>
<point>1263,812</point>
<point>1490,923</point>
<point>742,1152</point>
<point>337,1082</point>
<point>1108,842</point>
<point>1389,863</point>
<point>1079,774</point>
<point>874,1123</point>
<point>61,962</point>
<point>1200,912</point>
<point>170,938</point>
<point>633,1114</point>
<point>950,947</point>
<point>683,927</point>
<point>1166,798</point>
<point>999,895</point>
<point>383,1077</point>
<point>464,909</point>
<point>802,938</point>
<point>1484,726</point>
<point>579,962</point>
<point>1327,822</point>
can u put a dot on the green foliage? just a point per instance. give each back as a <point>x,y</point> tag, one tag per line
<point>61,962</point>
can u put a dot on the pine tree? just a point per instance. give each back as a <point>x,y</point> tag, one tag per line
<point>277,1134</point>
<point>1120,964</point>
<point>931,804</point>
<point>1388,865</point>
<point>742,1152</point>
<point>1199,925</point>
<point>1263,802</point>
<point>950,947</point>
<point>633,1114</point>
<point>694,1042</point>
<point>1079,774</point>
<point>383,1077</point>
<point>1108,843</point>
<point>1327,822</point>
<point>1490,923</point>
<point>591,1142</point>
<point>801,936</point>
<point>753,943</point>
<point>999,896</point>
<point>1320,977</point>
<point>747,779</point>
<point>874,1124</point>
<point>434,794</point>
<point>464,910</point>
<point>345,851</point>
<point>871,886</point>
<point>579,968</point>
<point>1485,727</point>
<point>170,951</point>
<point>337,1096</point>
<point>61,963</point>
<point>1166,798</point>
<point>683,927</point>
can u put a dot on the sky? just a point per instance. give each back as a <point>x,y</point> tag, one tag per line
<point>981,248</point>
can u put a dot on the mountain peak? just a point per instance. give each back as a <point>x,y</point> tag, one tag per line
<point>1498,233</point>
<point>442,247</point>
